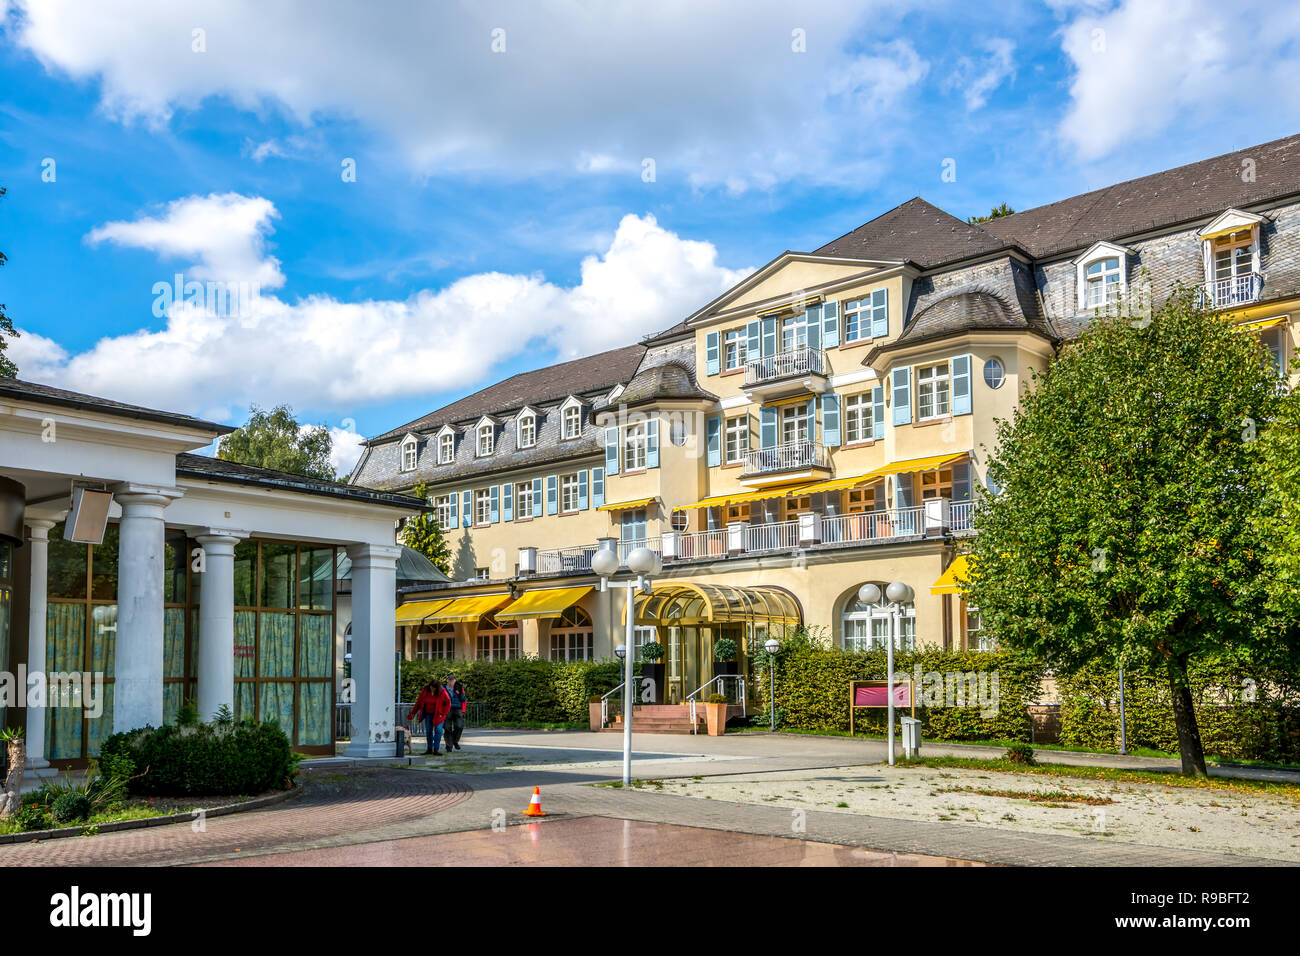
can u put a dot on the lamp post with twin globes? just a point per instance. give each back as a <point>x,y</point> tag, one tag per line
<point>896,595</point>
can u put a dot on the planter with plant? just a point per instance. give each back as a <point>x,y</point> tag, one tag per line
<point>724,656</point>
<point>15,750</point>
<point>715,714</point>
<point>652,654</point>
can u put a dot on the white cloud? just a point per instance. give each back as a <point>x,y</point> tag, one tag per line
<point>1149,67</point>
<point>346,445</point>
<point>711,91</point>
<point>324,354</point>
<point>978,78</point>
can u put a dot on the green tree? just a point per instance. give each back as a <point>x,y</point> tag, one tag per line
<point>275,440</point>
<point>997,212</point>
<point>7,331</point>
<point>1278,520</point>
<point>1128,482</point>
<point>423,533</point>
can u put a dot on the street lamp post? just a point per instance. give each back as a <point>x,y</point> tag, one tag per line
<point>897,594</point>
<point>772,646</point>
<point>644,563</point>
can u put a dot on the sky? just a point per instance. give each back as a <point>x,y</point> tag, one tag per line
<point>408,201</point>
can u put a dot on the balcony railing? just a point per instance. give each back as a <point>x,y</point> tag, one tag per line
<point>774,536</point>
<point>792,456</point>
<point>702,544</point>
<point>963,514</point>
<point>770,368</point>
<point>1234,290</point>
<point>628,545</point>
<point>565,560</point>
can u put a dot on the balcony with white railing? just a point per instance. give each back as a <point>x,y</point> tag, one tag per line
<point>785,373</point>
<point>563,560</point>
<point>780,459</point>
<point>1233,291</point>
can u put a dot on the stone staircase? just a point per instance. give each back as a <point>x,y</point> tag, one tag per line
<point>659,719</point>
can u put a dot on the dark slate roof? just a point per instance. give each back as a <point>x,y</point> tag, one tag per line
<point>1195,191</point>
<point>917,232</point>
<point>412,568</point>
<point>202,466</point>
<point>671,380</point>
<point>668,334</point>
<point>49,395</point>
<point>959,311</point>
<point>553,383</point>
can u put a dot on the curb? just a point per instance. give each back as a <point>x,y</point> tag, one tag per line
<point>32,836</point>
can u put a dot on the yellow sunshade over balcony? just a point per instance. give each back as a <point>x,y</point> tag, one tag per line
<point>839,484</point>
<point>414,612</point>
<point>958,570</point>
<point>466,610</point>
<point>548,603</point>
<point>918,464</point>
<point>627,505</point>
<point>1259,325</point>
<point>719,501</point>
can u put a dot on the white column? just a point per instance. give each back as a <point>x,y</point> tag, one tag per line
<point>138,686</point>
<point>374,674</point>
<point>216,665</point>
<point>38,542</point>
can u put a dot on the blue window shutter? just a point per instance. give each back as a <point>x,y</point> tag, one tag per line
<point>831,420</point>
<point>455,510</point>
<point>813,327</point>
<point>901,379</point>
<point>878,501</point>
<point>878,412</point>
<point>582,490</point>
<point>713,440</point>
<point>811,413</point>
<point>467,508</point>
<point>494,504</point>
<point>552,494</point>
<point>652,443</point>
<point>711,353</point>
<point>767,428</point>
<point>611,451</point>
<point>903,493</point>
<point>507,502</point>
<point>961,481</point>
<point>879,313</point>
<point>769,337</point>
<point>597,487</point>
<point>537,497</point>
<point>754,340</point>
<point>961,385</point>
<point>830,325</point>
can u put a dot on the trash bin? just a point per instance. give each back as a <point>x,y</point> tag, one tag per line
<point>401,741</point>
<point>911,737</point>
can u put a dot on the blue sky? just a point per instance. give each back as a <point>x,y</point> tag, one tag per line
<point>500,216</point>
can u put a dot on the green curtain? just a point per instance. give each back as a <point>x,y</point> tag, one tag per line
<point>275,650</point>
<point>277,704</point>
<point>174,642</point>
<point>103,639</point>
<point>6,611</point>
<point>173,693</point>
<point>65,646</point>
<point>244,691</point>
<point>314,713</point>
<point>99,729</point>
<point>315,645</point>
<point>245,643</point>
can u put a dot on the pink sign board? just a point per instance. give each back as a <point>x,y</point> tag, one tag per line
<point>878,696</point>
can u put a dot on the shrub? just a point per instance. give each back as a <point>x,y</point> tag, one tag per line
<point>241,758</point>
<point>1021,754</point>
<point>33,816</point>
<point>652,651</point>
<point>70,807</point>
<point>524,690</point>
<point>724,649</point>
<point>717,698</point>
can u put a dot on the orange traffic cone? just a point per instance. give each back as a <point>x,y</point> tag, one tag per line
<point>535,804</point>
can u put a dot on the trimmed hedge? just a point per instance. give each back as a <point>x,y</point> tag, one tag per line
<point>203,759</point>
<point>812,690</point>
<point>524,690</point>
<point>1232,725</point>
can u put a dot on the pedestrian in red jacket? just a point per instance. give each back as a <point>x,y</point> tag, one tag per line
<point>432,706</point>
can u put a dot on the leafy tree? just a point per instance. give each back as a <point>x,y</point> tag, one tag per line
<point>997,212</point>
<point>7,331</point>
<point>423,533</point>
<point>275,440</point>
<point>1129,480</point>
<point>1278,521</point>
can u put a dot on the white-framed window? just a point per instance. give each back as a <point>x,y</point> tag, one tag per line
<point>737,438</point>
<point>794,332</point>
<point>482,574</point>
<point>794,423</point>
<point>735,344</point>
<point>932,394</point>
<point>408,454</point>
<point>485,436</point>
<point>867,628</point>
<point>446,448</point>
<point>528,431</point>
<point>568,493</point>
<point>1101,283</point>
<point>436,644</point>
<point>641,636</point>
<point>994,373</point>
<point>572,422</point>
<point>443,510</point>
<point>483,506</point>
<point>497,640</point>
<point>523,500</point>
<point>976,639</point>
<point>1275,341</point>
<point>857,418</point>
<point>634,447</point>
<point>861,314</point>
<point>681,520</point>
<point>572,637</point>
<point>1234,255</point>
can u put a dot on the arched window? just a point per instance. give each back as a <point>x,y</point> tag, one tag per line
<point>867,627</point>
<point>438,643</point>
<point>497,640</point>
<point>408,454</point>
<point>527,430</point>
<point>572,637</point>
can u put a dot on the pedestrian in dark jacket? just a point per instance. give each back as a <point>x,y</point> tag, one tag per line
<point>432,706</point>
<point>456,715</point>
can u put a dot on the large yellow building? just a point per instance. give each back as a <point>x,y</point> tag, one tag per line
<point>820,425</point>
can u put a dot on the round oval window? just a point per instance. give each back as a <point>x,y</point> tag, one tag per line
<point>994,373</point>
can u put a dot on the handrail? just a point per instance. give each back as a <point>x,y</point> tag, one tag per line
<point>744,703</point>
<point>604,702</point>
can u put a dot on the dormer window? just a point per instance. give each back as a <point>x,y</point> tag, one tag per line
<point>527,429</point>
<point>409,453</point>
<point>1230,247</point>
<point>446,448</point>
<point>1102,276</point>
<point>571,419</point>
<point>485,440</point>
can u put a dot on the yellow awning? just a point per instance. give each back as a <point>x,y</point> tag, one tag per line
<point>465,610</point>
<point>626,505</point>
<point>947,583</point>
<point>1260,325</point>
<point>413,612</point>
<point>917,464</point>
<point>549,603</point>
<point>838,484</point>
<point>739,497</point>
